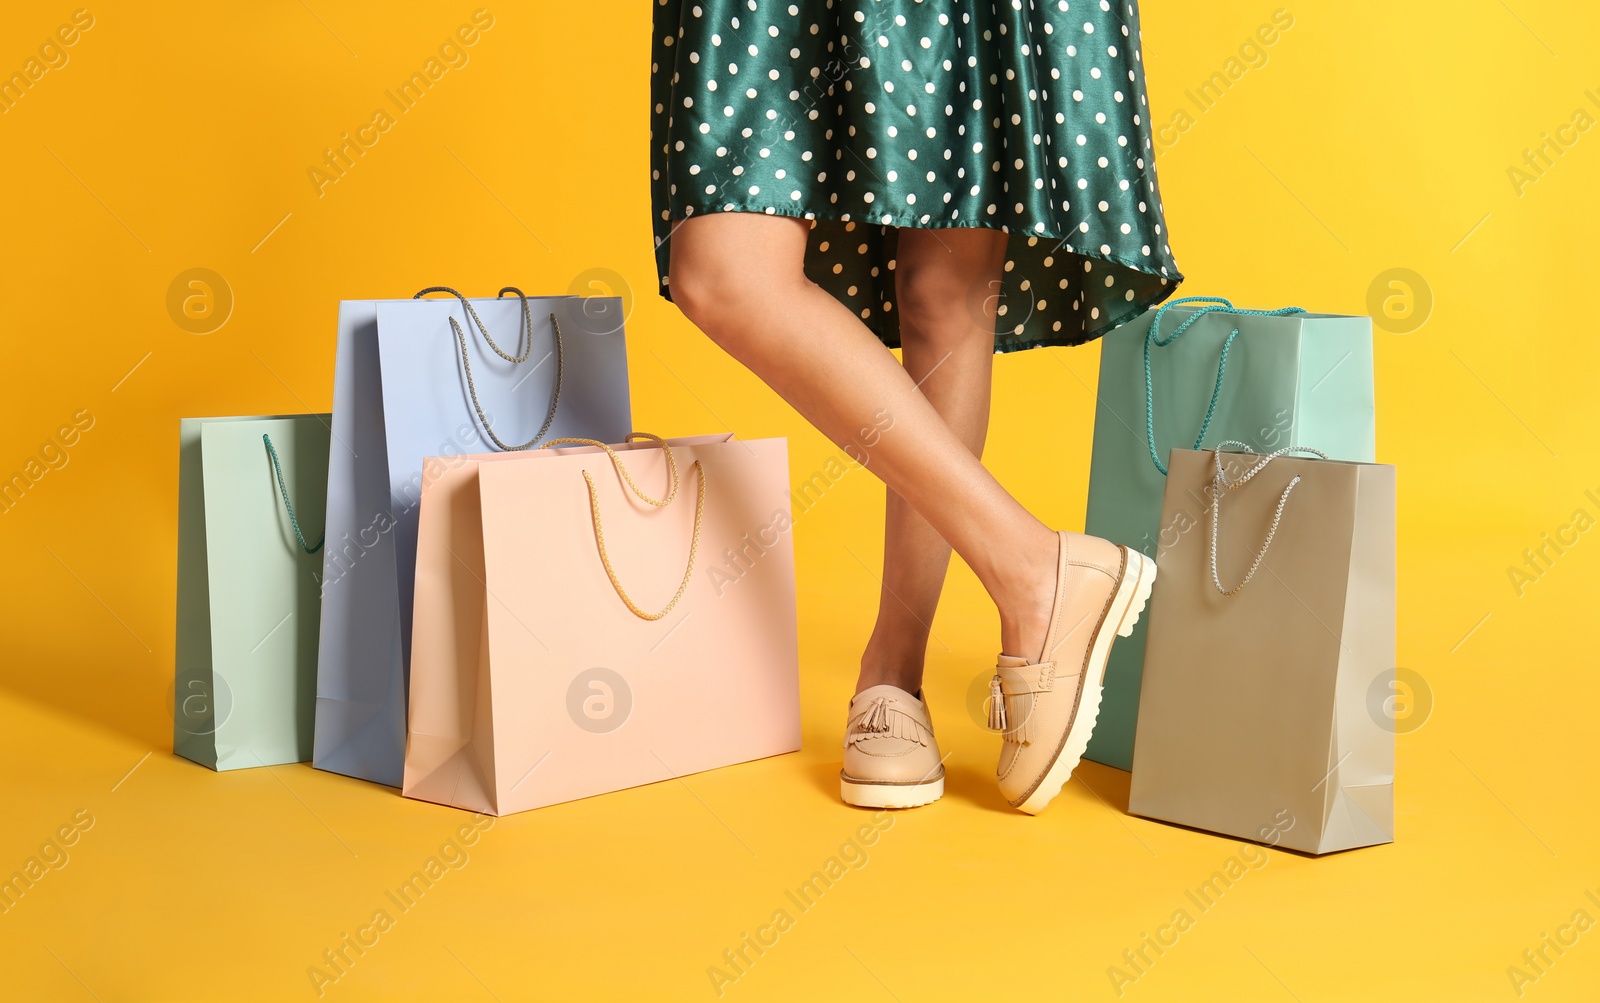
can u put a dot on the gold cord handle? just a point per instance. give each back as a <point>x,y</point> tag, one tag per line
<point>672,492</point>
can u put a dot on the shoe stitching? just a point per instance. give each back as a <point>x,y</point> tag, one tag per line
<point>886,755</point>
<point>1063,561</point>
<point>1095,566</point>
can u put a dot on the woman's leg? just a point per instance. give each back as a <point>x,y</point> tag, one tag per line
<point>739,277</point>
<point>944,283</point>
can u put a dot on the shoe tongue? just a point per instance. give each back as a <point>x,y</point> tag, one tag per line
<point>1010,662</point>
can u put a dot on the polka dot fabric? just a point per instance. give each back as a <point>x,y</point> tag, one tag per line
<point>863,117</point>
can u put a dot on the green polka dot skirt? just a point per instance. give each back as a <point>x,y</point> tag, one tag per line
<point>865,116</point>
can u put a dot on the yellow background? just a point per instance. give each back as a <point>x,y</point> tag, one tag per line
<point>1377,136</point>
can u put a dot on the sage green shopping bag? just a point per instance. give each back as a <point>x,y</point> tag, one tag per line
<point>251,494</point>
<point>1193,373</point>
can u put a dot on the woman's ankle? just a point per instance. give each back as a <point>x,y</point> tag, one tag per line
<point>1024,595</point>
<point>898,665</point>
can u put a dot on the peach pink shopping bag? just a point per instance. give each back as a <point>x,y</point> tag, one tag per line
<point>594,618</point>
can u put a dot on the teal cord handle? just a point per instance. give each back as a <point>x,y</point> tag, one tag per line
<point>1153,337</point>
<point>287,504</point>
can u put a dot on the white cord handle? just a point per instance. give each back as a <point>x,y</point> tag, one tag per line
<point>1220,485</point>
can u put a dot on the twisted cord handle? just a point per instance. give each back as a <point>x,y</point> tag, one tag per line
<point>283,489</point>
<point>1153,337</point>
<point>1221,485</point>
<point>672,492</point>
<point>525,339</point>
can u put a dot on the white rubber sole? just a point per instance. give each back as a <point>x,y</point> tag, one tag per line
<point>1126,607</point>
<point>864,795</point>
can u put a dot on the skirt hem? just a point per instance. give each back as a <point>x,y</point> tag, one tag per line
<point>891,339</point>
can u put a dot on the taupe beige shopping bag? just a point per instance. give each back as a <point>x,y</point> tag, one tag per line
<point>1272,620</point>
<point>594,618</point>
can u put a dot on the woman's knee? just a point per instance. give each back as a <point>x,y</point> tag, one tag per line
<point>704,286</point>
<point>941,308</point>
<point>724,289</point>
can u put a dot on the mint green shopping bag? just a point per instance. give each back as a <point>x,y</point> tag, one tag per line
<point>251,494</point>
<point>1193,373</point>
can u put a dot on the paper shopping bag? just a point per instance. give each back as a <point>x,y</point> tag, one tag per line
<point>413,379</point>
<point>574,637</point>
<point>1271,624</point>
<point>250,520</point>
<point>1193,373</point>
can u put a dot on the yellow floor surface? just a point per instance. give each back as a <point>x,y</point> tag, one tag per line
<point>188,885</point>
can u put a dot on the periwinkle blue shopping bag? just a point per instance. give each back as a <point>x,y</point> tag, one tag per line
<point>1195,372</point>
<point>418,382</point>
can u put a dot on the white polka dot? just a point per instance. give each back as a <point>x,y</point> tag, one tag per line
<point>816,114</point>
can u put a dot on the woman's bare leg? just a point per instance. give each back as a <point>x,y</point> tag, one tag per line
<point>944,281</point>
<point>739,277</point>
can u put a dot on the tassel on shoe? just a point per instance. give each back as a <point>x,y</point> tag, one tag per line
<point>997,705</point>
<point>1021,734</point>
<point>883,720</point>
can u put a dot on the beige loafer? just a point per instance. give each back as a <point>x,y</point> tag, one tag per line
<point>891,759</point>
<point>1046,708</point>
